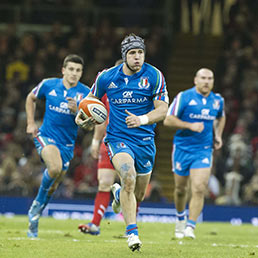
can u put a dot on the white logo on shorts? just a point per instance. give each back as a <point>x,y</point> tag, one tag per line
<point>67,164</point>
<point>206,161</point>
<point>50,140</point>
<point>148,164</point>
<point>178,166</point>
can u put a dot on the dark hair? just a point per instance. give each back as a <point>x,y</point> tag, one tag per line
<point>73,58</point>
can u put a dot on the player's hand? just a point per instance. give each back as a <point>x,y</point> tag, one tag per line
<point>132,120</point>
<point>32,129</point>
<point>87,123</point>
<point>217,143</point>
<point>197,127</point>
<point>72,105</point>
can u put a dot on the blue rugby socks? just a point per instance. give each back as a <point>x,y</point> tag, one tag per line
<point>132,229</point>
<point>180,215</point>
<point>191,223</point>
<point>47,181</point>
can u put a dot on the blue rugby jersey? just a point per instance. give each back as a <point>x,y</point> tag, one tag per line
<point>134,93</point>
<point>191,106</point>
<point>59,122</point>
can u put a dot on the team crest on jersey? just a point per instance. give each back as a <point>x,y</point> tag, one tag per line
<point>216,104</point>
<point>144,83</point>
<point>79,96</point>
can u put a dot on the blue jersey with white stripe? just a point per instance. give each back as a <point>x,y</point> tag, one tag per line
<point>191,106</point>
<point>134,93</point>
<point>59,122</point>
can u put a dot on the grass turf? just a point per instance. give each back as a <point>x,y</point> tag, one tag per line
<point>60,238</point>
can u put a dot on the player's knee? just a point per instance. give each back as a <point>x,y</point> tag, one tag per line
<point>52,189</point>
<point>54,170</point>
<point>180,191</point>
<point>104,184</point>
<point>199,190</point>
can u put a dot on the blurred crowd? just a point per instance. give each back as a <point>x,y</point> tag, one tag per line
<point>235,177</point>
<point>26,58</point>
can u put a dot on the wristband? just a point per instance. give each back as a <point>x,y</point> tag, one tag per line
<point>95,142</point>
<point>144,120</point>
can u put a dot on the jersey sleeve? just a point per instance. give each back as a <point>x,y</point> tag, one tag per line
<point>160,89</point>
<point>98,88</point>
<point>40,90</point>
<point>177,106</point>
<point>221,108</point>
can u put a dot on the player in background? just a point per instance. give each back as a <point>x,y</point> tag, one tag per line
<point>138,99</point>
<point>55,138</point>
<point>198,115</point>
<point>106,174</point>
<point>106,177</point>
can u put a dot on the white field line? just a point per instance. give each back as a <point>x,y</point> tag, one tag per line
<point>119,241</point>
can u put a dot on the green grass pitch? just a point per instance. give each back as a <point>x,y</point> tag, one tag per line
<point>60,238</point>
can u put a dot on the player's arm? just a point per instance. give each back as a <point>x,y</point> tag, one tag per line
<point>159,112</point>
<point>90,95</point>
<point>98,135</point>
<point>82,121</point>
<point>154,116</point>
<point>175,122</point>
<point>30,107</point>
<point>218,127</point>
<point>176,109</point>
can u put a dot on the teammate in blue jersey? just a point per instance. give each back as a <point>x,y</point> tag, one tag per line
<point>138,99</point>
<point>198,114</point>
<point>55,138</point>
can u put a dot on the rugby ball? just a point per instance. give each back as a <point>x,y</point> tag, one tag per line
<point>92,107</point>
